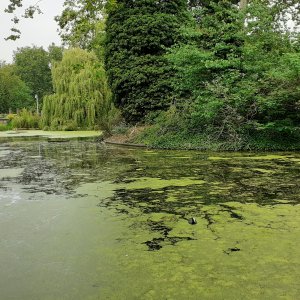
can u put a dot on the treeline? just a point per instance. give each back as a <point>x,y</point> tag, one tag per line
<point>208,74</point>
<point>29,75</point>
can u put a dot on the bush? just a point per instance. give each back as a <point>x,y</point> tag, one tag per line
<point>70,126</point>
<point>55,124</point>
<point>26,119</point>
<point>111,118</point>
<point>3,127</point>
<point>10,117</point>
<point>121,128</point>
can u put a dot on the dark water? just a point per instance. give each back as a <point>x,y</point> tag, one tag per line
<point>81,220</point>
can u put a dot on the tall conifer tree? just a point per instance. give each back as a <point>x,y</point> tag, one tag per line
<point>138,35</point>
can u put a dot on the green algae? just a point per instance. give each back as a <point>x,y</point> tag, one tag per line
<point>263,170</point>
<point>218,158</point>
<point>97,222</point>
<point>266,157</point>
<point>159,183</point>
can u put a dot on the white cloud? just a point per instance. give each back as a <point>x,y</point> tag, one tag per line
<point>40,31</point>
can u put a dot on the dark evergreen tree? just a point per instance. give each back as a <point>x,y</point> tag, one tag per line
<point>138,35</point>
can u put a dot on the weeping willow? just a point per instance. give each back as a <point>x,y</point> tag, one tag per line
<point>81,98</point>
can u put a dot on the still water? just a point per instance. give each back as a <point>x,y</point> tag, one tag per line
<point>81,220</point>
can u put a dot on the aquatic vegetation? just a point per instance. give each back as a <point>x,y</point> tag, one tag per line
<point>96,219</point>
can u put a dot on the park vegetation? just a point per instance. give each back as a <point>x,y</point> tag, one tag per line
<point>204,74</point>
<point>82,98</point>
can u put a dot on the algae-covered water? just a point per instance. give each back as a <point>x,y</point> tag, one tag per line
<point>81,220</point>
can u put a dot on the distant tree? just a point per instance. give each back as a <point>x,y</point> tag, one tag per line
<point>55,53</point>
<point>14,94</point>
<point>32,65</point>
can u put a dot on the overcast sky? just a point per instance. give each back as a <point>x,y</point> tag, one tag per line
<point>40,31</point>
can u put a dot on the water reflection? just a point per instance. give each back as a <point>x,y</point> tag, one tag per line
<point>180,184</point>
<point>245,204</point>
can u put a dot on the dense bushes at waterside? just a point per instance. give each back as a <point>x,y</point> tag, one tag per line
<point>237,81</point>
<point>24,119</point>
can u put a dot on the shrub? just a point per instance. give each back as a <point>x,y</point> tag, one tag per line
<point>3,127</point>
<point>25,119</point>
<point>111,118</point>
<point>70,126</point>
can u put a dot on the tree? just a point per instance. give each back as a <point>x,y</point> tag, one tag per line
<point>80,23</point>
<point>239,81</point>
<point>32,65</point>
<point>14,94</point>
<point>79,16</point>
<point>55,53</point>
<point>272,61</point>
<point>81,95</point>
<point>137,36</point>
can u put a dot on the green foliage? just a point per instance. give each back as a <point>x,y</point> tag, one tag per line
<point>26,119</point>
<point>110,119</point>
<point>81,24</point>
<point>14,94</point>
<point>237,84</point>
<point>82,98</point>
<point>224,73</point>
<point>55,53</point>
<point>32,65</point>
<point>208,69</point>
<point>138,34</point>
<point>3,127</point>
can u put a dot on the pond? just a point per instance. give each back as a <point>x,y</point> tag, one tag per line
<point>83,220</point>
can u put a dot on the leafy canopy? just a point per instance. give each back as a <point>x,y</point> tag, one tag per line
<point>14,93</point>
<point>81,94</point>
<point>33,67</point>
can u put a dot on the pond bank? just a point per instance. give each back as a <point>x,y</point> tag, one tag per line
<point>148,137</point>
<point>157,138</point>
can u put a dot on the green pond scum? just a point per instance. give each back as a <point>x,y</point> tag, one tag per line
<point>84,220</point>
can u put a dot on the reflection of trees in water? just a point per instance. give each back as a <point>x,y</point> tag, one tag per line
<point>233,180</point>
<point>59,168</point>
